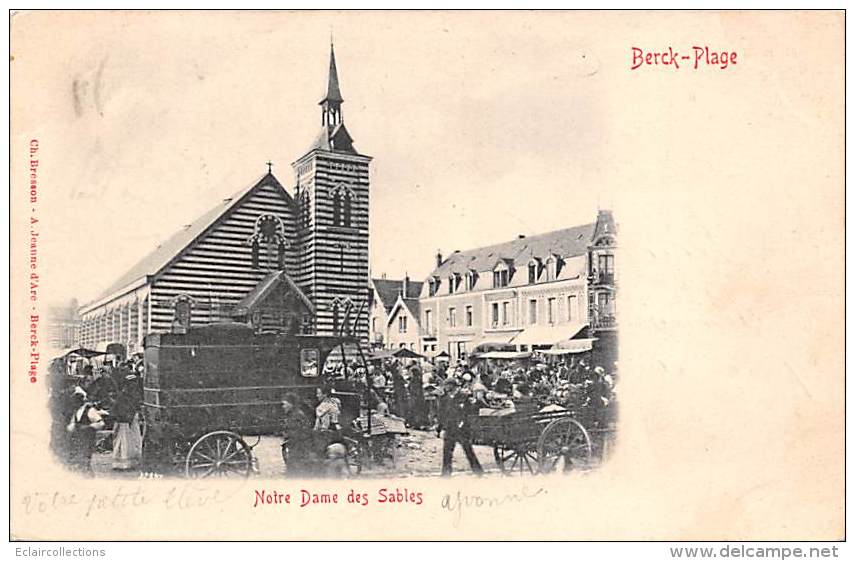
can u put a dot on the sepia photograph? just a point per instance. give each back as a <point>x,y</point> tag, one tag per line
<point>317,260</point>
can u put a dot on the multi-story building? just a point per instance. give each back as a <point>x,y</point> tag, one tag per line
<point>63,325</point>
<point>385,294</point>
<point>279,260</point>
<point>536,292</point>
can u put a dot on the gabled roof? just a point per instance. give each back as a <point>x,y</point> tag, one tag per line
<point>165,253</point>
<point>389,290</point>
<point>410,304</point>
<point>333,138</point>
<point>568,242</point>
<point>264,288</point>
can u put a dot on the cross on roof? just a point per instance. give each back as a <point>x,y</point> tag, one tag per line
<point>269,166</point>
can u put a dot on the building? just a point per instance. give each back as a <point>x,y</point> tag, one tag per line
<point>63,324</point>
<point>385,296</point>
<point>280,259</point>
<point>537,292</point>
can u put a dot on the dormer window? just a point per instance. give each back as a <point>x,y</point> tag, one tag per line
<point>471,279</point>
<point>433,286</point>
<point>453,282</point>
<point>553,267</point>
<point>534,270</point>
<point>501,274</point>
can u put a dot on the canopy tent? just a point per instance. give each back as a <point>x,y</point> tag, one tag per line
<point>83,352</point>
<point>393,353</point>
<point>572,346</point>
<point>438,355</point>
<point>548,334</point>
<point>494,342</point>
<point>505,355</point>
<point>404,352</point>
<point>575,345</point>
<point>380,354</point>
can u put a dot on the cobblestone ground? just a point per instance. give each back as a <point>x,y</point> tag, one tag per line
<point>418,454</point>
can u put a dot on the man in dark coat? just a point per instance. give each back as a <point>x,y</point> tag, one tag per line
<point>417,414</point>
<point>454,408</point>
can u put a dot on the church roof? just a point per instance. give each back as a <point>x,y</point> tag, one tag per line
<point>333,138</point>
<point>568,242</point>
<point>333,91</point>
<point>165,253</point>
<point>388,291</point>
<point>263,289</point>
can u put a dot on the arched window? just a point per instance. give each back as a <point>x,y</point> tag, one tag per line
<point>342,203</point>
<point>337,208</point>
<point>304,209</point>
<point>268,242</point>
<point>348,208</point>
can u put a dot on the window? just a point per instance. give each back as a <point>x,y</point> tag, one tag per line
<point>550,310</point>
<point>342,207</point>
<point>604,303</point>
<point>471,279</point>
<point>552,268</point>
<point>506,313</point>
<point>428,321</point>
<point>433,286</point>
<point>607,268</point>
<point>374,325</point>
<point>309,363</point>
<point>452,317</point>
<point>469,316</point>
<point>532,273</point>
<point>461,350</point>
<point>532,312</point>
<point>402,324</point>
<point>572,310</point>
<point>494,314</point>
<point>304,209</point>
<point>501,277</point>
<point>452,284</point>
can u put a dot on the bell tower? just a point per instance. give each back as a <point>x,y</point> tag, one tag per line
<point>332,198</point>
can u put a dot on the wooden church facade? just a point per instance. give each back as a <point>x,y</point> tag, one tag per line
<point>279,262</point>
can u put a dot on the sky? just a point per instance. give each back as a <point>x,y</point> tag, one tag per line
<point>477,136</point>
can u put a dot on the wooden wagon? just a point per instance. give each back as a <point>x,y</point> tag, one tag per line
<point>207,390</point>
<point>533,440</point>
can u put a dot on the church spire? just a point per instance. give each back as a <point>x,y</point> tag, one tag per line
<point>331,103</point>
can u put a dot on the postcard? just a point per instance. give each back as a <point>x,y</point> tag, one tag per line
<point>440,275</point>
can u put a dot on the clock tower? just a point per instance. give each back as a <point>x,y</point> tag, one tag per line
<point>332,202</point>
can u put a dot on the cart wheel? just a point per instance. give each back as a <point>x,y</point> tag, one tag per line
<point>511,459</point>
<point>219,454</point>
<point>564,445</point>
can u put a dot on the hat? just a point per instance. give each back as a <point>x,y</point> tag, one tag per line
<point>600,370</point>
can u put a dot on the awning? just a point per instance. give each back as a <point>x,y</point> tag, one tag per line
<point>575,345</point>
<point>547,334</point>
<point>506,355</point>
<point>489,342</point>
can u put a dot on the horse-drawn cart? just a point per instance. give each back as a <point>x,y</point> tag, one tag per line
<point>207,390</point>
<point>533,440</point>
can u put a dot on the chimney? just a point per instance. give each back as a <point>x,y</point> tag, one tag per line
<point>405,286</point>
<point>520,236</point>
<point>438,258</point>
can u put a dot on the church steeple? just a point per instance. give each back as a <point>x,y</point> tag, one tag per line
<point>331,103</point>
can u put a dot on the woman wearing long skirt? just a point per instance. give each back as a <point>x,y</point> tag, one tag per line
<point>127,437</point>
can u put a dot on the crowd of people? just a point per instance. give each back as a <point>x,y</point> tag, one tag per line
<point>88,398</point>
<point>443,397</point>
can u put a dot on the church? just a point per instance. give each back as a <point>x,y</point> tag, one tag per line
<point>287,260</point>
